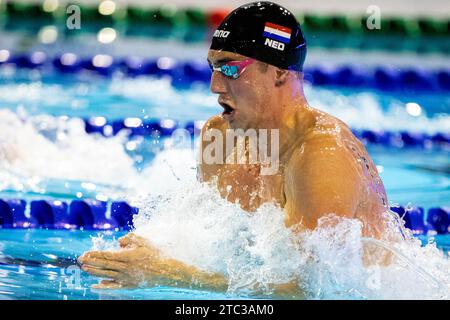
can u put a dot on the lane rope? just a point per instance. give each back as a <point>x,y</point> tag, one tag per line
<point>88,214</point>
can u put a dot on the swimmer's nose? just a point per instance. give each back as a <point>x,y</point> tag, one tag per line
<point>218,83</point>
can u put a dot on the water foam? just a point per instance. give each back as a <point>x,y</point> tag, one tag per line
<point>256,251</point>
<point>349,107</point>
<point>191,222</point>
<point>157,98</point>
<point>47,147</point>
<point>354,109</point>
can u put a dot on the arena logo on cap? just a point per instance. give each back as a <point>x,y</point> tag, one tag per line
<point>276,36</point>
<point>221,33</point>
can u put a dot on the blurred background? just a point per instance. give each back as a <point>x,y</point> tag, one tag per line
<point>138,68</point>
<point>91,93</point>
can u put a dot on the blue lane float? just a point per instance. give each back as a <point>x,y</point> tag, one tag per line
<point>385,79</point>
<point>102,64</point>
<point>34,60</point>
<point>403,139</point>
<point>436,221</point>
<point>165,127</point>
<point>134,126</point>
<point>443,78</point>
<point>414,219</point>
<point>151,128</point>
<point>194,127</point>
<point>50,214</point>
<point>67,63</point>
<point>439,218</point>
<point>12,214</point>
<point>185,73</point>
<point>90,215</point>
<point>54,214</point>
<point>93,215</point>
<point>123,213</point>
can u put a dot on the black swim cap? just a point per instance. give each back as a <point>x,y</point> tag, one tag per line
<point>264,31</point>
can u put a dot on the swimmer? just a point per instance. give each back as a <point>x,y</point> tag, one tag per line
<point>257,56</point>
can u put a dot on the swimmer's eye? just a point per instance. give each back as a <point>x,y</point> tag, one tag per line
<point>228,71</point>
<point>232,69</point>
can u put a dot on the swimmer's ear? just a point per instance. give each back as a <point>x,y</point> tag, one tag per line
<point>281,76</point>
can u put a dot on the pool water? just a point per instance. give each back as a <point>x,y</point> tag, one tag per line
<point>84,95</point>
<point>46,100</point>
<point>40,264</point>
<point>58,160</point>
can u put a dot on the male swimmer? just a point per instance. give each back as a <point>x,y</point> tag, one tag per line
<point>257,55</point>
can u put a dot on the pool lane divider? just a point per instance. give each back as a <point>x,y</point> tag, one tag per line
<point>92,215</point>
<point>183,74</point>
<point>166,127</point>
<point>437,220</point>
<point>78,214</point>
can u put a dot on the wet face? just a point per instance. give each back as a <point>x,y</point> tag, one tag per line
<point>244,100</point>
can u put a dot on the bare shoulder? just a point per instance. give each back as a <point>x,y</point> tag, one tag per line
<point>328,128</point>
<point>331,143</point>
<point>329,138</point>
<point>322,175</point>
<point>205,169</point>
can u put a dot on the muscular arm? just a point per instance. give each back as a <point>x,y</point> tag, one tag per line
<point>141,264</point>
<point>321,178</point>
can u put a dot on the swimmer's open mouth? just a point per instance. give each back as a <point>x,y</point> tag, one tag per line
<point>228,110</point>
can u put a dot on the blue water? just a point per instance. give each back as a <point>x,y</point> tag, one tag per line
<point>408,174</point>
<point>38,264</point>
<point>85,95</point>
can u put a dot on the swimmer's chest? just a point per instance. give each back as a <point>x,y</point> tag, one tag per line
<point>243,183</point>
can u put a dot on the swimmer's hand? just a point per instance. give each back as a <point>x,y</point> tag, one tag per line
<point>139,263</point>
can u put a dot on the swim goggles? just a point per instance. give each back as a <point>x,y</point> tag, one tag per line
<point>233,69</point>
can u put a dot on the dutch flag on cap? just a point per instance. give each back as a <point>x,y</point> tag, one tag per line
<point>277,32</point>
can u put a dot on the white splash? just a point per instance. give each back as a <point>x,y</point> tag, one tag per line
<point>190,221</point>
<point>357,108</point>
<point>49,147</point>
<point>255,251</point>
<point>160,99</point>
